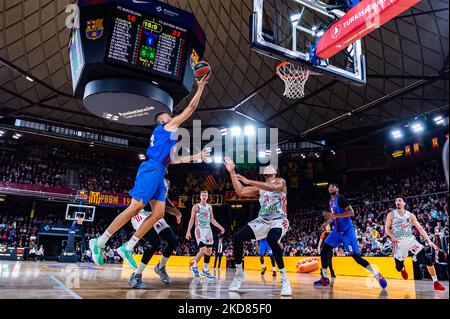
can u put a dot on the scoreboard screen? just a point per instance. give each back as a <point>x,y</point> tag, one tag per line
<point>147,44</point>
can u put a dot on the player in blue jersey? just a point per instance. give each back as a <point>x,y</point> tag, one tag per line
<point>343,233</point>
<point>264,249</point>
<point>149,184</point>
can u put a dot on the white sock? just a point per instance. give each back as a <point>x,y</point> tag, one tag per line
<point>205,266</point>
<point>163,261</point>
<point>372,270</point>
<point>324,273</point>
<point>103,238</point>
<point>195,264</point>
<point>239,268</point>
<point>131,243</point>
<point>274,268</point>
<point>263,266</point>
<point>141,268</point>
<point>283,273</point>
<point>434,278</point>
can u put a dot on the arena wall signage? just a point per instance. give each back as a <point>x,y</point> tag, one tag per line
<point>11,253</point>
<point>108,199</point>
<point>214,200</point>
<point>56,230</point>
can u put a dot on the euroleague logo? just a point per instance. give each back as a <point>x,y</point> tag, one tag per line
<point>336,31</point>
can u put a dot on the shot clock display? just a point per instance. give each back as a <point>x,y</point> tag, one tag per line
<point>148,44</point>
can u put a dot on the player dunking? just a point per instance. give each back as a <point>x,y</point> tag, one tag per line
<point>342,233</point>
<point>271,223</point>
<point>264,249</point>
<point>149,184</point>
<point>399,223</point>
<point>203,217</point>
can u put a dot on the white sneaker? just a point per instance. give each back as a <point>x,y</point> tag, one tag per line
<point>286,288</point>
<point>237,281</point>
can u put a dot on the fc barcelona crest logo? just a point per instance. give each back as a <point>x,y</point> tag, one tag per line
<point>94,29</point>
<point>194,59</point>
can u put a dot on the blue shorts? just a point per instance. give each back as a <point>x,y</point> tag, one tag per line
<point>264,248</point>
<point>149,184</point>
<point>346,238</point>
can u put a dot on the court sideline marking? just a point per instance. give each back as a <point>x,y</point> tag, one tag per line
<point>62,286</point>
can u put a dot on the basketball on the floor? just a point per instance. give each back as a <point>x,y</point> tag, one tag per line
<point>201,69</point>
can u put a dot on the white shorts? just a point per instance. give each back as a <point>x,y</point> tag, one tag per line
<point>137,221</point>
<point>406,245</point>
<point>261,227</point>
<point>204,235</point>
<point>160,225</point>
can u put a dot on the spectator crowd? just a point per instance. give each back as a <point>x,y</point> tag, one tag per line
<point>371,196</point>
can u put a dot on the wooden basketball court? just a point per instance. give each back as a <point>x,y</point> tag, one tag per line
<point>51,280</point>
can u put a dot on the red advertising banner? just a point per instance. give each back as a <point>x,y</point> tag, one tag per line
<point>231,196</point>
<point>359,21</point>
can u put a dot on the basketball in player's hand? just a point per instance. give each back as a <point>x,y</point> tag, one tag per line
<point>202,69</point>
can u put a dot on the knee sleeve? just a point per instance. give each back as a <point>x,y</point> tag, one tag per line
<point>272,260</point>
<point>246,233</point>
<point>423,259</point>
<point>273,237</point>
<point>325,255</point>
<point>360,260</point>
<point>148,253</point>
<point>261,259</point>
<point>207,258</point>
<point>169,237</point>
<point>398,264</point>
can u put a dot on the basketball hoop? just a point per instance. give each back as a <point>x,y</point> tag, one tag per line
<point>294,78</point>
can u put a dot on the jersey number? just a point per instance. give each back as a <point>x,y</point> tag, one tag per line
<point>152,139</point>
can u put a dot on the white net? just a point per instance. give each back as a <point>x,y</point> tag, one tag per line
<point>294,78</point>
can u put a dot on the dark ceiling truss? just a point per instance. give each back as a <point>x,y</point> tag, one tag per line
<point>383,129</point>
<point>239,70</point>
<point>384,99</point>
<point>420,13</point>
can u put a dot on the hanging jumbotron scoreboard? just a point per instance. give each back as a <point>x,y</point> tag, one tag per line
<point>131,60</point>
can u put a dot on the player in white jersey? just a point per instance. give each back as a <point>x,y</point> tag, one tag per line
<point>161,230</point>
<point>203,217</point>
<point>399,225</point>
<point>271,223</point>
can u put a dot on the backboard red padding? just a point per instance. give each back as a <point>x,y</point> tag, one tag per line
<point>360,20</point>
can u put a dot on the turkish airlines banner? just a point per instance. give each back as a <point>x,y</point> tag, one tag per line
<point>359,21</point>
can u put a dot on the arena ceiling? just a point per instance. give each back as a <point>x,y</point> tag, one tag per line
<point>407,67</point>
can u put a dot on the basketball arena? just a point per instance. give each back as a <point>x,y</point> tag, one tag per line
<point>239,149</point>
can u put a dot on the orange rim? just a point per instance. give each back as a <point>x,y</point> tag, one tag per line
<point>300,76</point>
